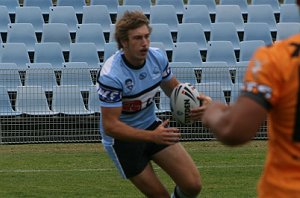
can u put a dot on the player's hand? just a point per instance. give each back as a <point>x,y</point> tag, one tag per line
<point>197,113</point>
<point>166,135</point>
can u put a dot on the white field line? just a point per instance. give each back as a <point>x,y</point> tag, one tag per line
<point>111,169</point>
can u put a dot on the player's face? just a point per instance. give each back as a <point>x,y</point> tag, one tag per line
<point>136,48</point>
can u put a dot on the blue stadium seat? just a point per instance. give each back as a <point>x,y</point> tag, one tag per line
<point>235,92</point>
<point>225,31</point>
<point>178,5</point>
<point>262,14</point>
<point>247,48</point>
<point>184,72</point>
<point>289,2</point>
<point>273,3</point>
<point>15,53</point>
<point>230,13</point>
<point>49,52</point>
<point>112,5</point>
<point>30,14</point>
<point>164,103</point>
<point>76,4</point>
<point>40,74</point>
<point>258,31</point>
<point>97,14</point>
<point>123,8</point>
<point>67,99</point>
<point>57,32</point>
<point>44,5</point>
<point>159,45</point>
<point>242,3</point>
<point>197,14</point>
<point>9,76</point>
<point>22,33</point>
<point>240,72</point>
<point>11,5</point>
<point>187,52</point>
<point>64,14</point>
<point>212,89</point>
<point>91,32</point>
<point>287,29</point>
<point>109,50</point>
<point>217,74</point>
<point>84,52</point>
<point>145,4</point>
<point>289,13</point>
<point>93,100</point>
<point>211,4</point>
<point>4,19</point>
<point>6,108</point>
<point>164,14</point>
<point>192,32</point>
<point>162,33</point>
<point>221,51</point>
<point>32,100</point>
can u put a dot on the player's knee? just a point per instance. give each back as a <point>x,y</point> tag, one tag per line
<point>193,188</point>
<point>157,193</point>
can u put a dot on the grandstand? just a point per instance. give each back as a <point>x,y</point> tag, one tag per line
<point>48,91</point>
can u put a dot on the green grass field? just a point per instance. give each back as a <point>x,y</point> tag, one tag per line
<point>84,170</point>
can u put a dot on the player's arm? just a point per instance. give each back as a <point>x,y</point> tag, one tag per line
<point>168,86</point>
<point>118,129</point>
<point>236,124</point>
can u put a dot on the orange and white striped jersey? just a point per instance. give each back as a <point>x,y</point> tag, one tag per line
<point>273,80</point>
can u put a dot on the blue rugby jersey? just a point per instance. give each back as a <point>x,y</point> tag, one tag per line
<point>121,85</point>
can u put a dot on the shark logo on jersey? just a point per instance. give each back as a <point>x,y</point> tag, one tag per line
<point>129,84</point>
<point>142,75</point>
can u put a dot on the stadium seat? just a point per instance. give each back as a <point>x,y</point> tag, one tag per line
<point>162,33</point>
<point>235,92</point>
<point>76,73</point>
<point>247,48</point>
<point>192,32</point>
<point>184,72</point>
<point>225,31</point>
<point>76,4</point>
<point>287,29</point>
<point>289,13</point>
<point>43,4</point>
<point>262,14</point>
<point>67,99</point>
<point>211,5</point>
<point>187,52</point>
<point>240,73</point>
<point>97,14</point>
<point>4,19</point>
<point>22,33</point>
<point>9,76</point>
<point>57,32</point>
<point>197,14</point>
<point>112,5</point>
<point>64,14</point>
<point>49,52</point>
<point>30,14</point>
<point>289,2</point>
<point>93,100</point>
<point>212,89</point>
<point>6,108</point>
<point>15,53</point>
<point>217,74</point>
<point>242,3</point>
<point>40,74</point>
<point>84,52</point>
<point>112,33</point>
<point>258,31</point>
<point>145,4</point>
<point>178,5</point>
<point>230,13</point>
<point>273,3</point>
<point>123,8</point>
<point>91,32</point>
<point>109,50</point>
<point>159,45</point>
<point>164,103</point>
<point>221,51</point>
<point>164,14</point>
<point>32,100</point>
<point>11,5</point>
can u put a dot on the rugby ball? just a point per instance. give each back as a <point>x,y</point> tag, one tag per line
<point>183,98</point>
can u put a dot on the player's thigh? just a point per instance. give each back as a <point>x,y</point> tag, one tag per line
<point>176,161</point>
<point>148,183</point>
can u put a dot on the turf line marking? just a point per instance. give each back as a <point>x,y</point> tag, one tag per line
<point>111,169</point>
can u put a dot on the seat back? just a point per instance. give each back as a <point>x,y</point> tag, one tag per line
<point>164,14</point>
<point>49,53</point>
<point>63,14</point>
<point>289,13</point>
<point>162,33</point>
<point>30,14</point>
<point>247,48</point>
<point>262,14</point>
<point>258,31</point>
<point>84,52</point>
<point>6,108</point>
<point>230,13</point>
<point>221,51</point>
<point>187,52</point>
<point>9,76</point>
<point>15,53</point>
<point>287,29</point>
<point>197,14</point>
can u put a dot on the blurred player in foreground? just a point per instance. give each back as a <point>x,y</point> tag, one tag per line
<point>132,134</point>
<point>271,88</point>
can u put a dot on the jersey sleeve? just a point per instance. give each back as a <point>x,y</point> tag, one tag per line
<point>264,76</point>
<point>164,63</point>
